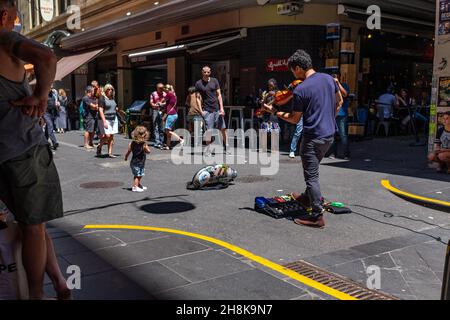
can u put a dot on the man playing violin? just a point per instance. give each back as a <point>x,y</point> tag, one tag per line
<point>317,99</point>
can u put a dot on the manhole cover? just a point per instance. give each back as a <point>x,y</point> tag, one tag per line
<point>101,185</point>
<point>252,179</point>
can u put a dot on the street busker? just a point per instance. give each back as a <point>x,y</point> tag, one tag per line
<point>317,100</point>
<point>139,149</point>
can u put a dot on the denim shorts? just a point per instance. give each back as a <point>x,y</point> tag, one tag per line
<point>170,121</point>
<point>138,171</point>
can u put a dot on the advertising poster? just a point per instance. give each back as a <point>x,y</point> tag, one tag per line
<point>444,17</point>
<point>444,92</point>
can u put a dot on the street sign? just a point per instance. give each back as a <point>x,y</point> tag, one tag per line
<point>47,10</point>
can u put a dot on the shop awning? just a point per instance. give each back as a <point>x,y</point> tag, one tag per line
<point>67,65</point>
<point>191,47</point>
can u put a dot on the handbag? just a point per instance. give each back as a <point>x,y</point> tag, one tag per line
<point>13,279</point>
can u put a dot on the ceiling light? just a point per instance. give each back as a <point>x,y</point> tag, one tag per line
<point>128,13</point>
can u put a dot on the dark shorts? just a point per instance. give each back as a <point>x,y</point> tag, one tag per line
<point>89,124</point>
<point>214,120</point>
<point>30,187</point>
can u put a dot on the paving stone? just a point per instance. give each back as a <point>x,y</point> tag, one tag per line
<point>97,240</point>
<point>335,258</point>
<point>431,291</point>
<point>114,286</point>
<point>148,251</point>
<point>353,270</point>
<point>68,245</point>
<point>205,265</point>
<point>409,259</point>
<point>382,261</point>
<point>89,263</point>
<point>154,277</point>
<point>381,246</point>
<point>308,296</point>
<point>406,297</point>
<point>246,285</point>
<point>130,236</point>
<point>421,276</point>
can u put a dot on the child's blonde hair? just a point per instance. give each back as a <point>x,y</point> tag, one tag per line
<point>140,134</point>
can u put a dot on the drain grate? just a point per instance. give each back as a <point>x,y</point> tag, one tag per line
<point>101,185</point>
<point>253,179</point>
<point>337,282</point>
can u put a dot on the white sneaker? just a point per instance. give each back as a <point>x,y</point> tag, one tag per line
<point>292,155</point>
<point>137,189</point>
<point>143,188</point>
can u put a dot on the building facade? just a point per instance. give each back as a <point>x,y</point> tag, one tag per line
<point>145,42</point>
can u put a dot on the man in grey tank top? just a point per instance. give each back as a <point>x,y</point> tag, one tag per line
<point>29,182</point>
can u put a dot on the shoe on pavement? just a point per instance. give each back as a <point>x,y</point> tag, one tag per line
<point>332,156</point>
<point>143,188</point>
<point>292,155</point>
<point>88,147</point>
<point>137,189</point>
<point>314,220</point>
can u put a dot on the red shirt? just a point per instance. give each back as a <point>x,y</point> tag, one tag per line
<point>171,106</point>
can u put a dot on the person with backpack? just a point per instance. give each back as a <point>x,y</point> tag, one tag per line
<point>49,118</point>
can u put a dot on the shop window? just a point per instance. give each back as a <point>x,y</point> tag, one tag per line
<point>158,35</point>
<point>63,5</point>
<point>33,12</point>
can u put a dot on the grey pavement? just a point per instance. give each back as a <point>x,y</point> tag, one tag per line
<point>405,240</point>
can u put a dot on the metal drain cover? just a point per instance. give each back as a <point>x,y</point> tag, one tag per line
<point>253,179</point>
<point>101,185</point>
<point>337,282</point>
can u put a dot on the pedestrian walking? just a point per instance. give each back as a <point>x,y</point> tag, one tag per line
<point>49,118</point>
<point>342,122</point>
<point>170,117</point>
<point>157,106</point>
<point>61,118</point>
<point>90,110</point>
<point>107,122</point>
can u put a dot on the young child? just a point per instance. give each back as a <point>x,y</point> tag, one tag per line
<point>139,148</point>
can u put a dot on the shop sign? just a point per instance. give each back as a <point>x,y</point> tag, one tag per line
<point>333,31</point>
<point>138,59</point>
<point>82,71</point>
<point>444,17</point>
<point>277,65</point>
<point>47,9</point>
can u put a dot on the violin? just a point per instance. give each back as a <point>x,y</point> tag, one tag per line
<point>280,97</point>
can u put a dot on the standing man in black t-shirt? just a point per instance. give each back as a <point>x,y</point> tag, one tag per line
<point>214,112</point>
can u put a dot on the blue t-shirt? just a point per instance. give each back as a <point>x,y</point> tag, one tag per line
<point>316,99</point>
<point>344,109</point>
<point>385,105</point>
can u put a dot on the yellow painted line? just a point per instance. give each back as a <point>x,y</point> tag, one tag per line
<point>274,266</point>
<point>387,185</point>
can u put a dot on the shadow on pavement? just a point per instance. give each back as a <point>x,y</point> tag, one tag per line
<point>78,211</point>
